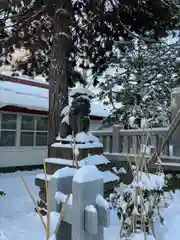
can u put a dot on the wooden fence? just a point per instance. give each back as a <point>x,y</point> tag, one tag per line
<point>131,141</point>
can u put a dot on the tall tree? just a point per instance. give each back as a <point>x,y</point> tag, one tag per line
<point>59,35</point>
<point>58,94</point>
<point>143,84</point>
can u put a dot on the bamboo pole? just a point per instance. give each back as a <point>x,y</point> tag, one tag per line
<point>34,201</point>
<point>48,202</point>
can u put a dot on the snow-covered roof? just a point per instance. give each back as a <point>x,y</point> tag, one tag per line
<point>6,70</point>
<point>35,98</point>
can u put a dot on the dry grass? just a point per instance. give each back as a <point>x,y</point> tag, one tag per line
<point>143,216</point>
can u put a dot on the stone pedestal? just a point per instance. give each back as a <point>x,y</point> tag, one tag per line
<point>66,152</point>
<point>62,156</point>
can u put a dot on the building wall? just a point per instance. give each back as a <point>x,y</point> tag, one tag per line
<point>15,157</point>
<point>23,139</point>
<point>94,124</point>
<point>20,143</point>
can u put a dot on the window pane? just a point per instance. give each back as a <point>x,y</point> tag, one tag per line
<point>27,123</point>
<point>27,139</point>
<point>41,139</point>
<point>8,121</point>
<point>8,138</point>
<point>42,123</point>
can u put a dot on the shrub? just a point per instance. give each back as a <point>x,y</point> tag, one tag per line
<point>2,193</point>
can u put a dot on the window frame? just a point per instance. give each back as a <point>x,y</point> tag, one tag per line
<point>40,131</point>
<point>34,131</point>
<point>10,130</point>
<point>18,130</point>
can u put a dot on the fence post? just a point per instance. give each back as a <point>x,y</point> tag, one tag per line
<point>117,145</point>
<point>175,105</point>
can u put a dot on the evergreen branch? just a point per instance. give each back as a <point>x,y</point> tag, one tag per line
<point>7,39</point>
<point>147,40</point>
<point>135,35</point>
<point>21,14</point>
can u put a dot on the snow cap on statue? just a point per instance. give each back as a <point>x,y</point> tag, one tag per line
<point>81,91</point>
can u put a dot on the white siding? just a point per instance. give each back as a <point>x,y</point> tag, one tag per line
<point>11,157</point>
<point>19,155</point>
<point>94,124</point>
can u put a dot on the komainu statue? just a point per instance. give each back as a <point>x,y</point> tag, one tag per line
<point>75,118</point>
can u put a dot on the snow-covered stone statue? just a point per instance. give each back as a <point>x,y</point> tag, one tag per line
<point>75,118</point>
<point>76,147</point>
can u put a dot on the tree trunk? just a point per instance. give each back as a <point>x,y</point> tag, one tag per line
<point>58,93</point>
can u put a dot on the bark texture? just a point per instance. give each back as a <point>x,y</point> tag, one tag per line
<point>58,94</point>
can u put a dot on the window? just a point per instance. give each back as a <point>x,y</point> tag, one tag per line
<point>8,130</point>
<point>42,124</point>
<point>41,131</point>
<point>33,131</point>
<point>27,138</point>
<point>27,123</point>
<point>27,130</point>
<point>41,138</point>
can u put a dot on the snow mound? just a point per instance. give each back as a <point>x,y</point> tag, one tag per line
<point>42,176</point>
<point>102,202</point>
<point>83,137</point>
<point>91,208</point>
<point>90,160</point>
<point>64,172</point>
<point>87,174</point>
<point>69,138</point>
<point>61,198</point>
<point>92,137</point>
<point>61,161</point>
<point>108,176</point>
<point>53,237</point>
<point>54,217</point>
<point>147,181</point>
<point>93,160</point>
<point>140,236</point>
<point>81,91</point>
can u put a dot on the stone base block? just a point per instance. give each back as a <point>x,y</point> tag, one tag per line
<point>67,153</point>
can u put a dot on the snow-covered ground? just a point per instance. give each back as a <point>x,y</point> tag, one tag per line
<point>18,220</point>
<point>17,217</point>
